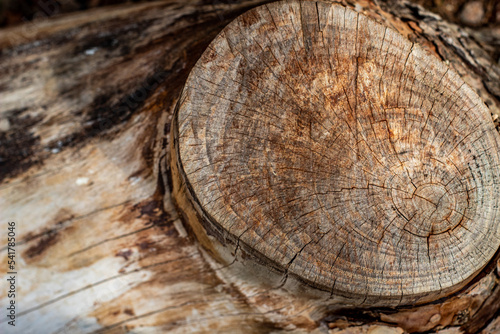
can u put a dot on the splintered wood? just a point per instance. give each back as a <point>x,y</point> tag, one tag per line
<point>338,153</point>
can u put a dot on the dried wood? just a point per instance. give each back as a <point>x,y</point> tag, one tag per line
<point>85,107</point>
<point>334,150</point>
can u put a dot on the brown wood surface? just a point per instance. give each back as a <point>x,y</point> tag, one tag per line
<point>85,106</point>
<point>339,152</point>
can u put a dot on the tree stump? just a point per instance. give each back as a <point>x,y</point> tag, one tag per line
<point>333,150</point>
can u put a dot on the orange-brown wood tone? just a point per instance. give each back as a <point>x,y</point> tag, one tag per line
<point>338,152</point>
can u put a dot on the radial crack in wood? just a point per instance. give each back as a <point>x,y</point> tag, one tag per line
<point>333,150</point>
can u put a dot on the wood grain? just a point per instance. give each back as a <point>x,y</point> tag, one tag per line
<point>101,248</point>
<point>336,151</point>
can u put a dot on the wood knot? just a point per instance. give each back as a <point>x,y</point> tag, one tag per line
<point>333,150</point>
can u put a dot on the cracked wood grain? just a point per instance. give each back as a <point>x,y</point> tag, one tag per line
<point>101,246</point>
<point>298,136</point>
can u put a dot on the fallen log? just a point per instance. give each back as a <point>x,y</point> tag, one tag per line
<point>86,105</point>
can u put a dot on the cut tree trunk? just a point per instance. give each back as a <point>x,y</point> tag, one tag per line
<point>86,103</point>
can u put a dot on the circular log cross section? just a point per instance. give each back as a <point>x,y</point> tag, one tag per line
<point>331,148</point>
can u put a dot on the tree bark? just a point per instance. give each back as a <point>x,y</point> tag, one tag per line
<point>86,104</point>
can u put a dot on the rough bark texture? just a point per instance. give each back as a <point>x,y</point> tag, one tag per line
<point>86,103</point>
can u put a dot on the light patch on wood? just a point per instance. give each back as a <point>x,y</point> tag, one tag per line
<point>75,292</point>
<point>180,228</point>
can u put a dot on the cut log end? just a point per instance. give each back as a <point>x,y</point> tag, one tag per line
<point>335,151</point>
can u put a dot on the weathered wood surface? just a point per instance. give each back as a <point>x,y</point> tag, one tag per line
<point>85,105</point>
<point>333,149</point>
